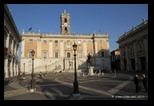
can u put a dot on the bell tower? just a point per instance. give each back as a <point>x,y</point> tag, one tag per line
<point>65,23</point>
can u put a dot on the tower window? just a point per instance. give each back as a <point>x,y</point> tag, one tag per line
<point>65,29</point>
<point>65,20</point>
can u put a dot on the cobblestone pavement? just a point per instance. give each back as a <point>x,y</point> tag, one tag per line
<point>60,88</point>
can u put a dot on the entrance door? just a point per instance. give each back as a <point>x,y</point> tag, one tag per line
<point>133,63</point>
<point>143,63</point>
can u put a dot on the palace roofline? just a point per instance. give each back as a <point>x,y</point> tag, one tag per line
<point>62,35</point>
<point>134,29</point>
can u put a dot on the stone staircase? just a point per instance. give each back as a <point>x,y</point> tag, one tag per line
<point>50,67</point>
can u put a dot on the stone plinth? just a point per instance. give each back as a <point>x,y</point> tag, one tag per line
<point>90,70</point>
<point>32,90</point>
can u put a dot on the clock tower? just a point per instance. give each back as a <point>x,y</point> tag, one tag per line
<point>65,23</point>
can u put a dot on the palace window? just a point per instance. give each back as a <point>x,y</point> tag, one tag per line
<point>79,47</point>
<point>56,41</point>
<point>44,54</point>
<point>68,55</point>
<point>56,54</point>
<point>102,53</point>
<point>89,41</point>
<point>80,55</point>
<point>101,41</point>
<point>123,51</point>
<point>131,50</point>
<point>68,42</point>
<point>30,40</point>
<point>90,53</point>
<point>30,54</point>
<point>45,41</point>
<point>140,47</point>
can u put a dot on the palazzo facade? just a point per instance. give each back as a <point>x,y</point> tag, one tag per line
<point>133,47</point>
<point>12,39</point>
<point>55,52</point>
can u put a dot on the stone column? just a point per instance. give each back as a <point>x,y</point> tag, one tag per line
<point>10,68</point>
<point>16,50</point>
<point>23,47</point>
<point>7,60</point>
<point>6,68</point>
<point>121,59</point>
<point>50,48</point>
<point>108,52</point>
<point>8,42</point>
<point>127,59</point>
<point>13,71</point>
<point>39,48</point>
<point>85,49</point>
<point>135,54</point>
<point>17,68</point>
<point>146,50</point>
<point>61,49</point>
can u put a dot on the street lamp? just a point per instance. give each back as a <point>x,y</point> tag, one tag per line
<point>76,90</point>
<point>45,66</point>
<point>64,64</point>
<point>32,81</point>
<point>69,62</point>
<point>24,72</point>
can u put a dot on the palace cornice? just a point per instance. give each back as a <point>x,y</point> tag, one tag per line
<point>143,26</point>
<point>66,36</point>
<point>10,20</point>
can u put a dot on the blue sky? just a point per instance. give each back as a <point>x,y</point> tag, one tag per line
<point>113,19</point>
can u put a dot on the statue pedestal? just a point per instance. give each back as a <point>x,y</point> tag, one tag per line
<point>90,70</point>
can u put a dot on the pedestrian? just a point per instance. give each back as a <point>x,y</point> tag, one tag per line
<point>40,74</point>
<point>115,72</point>
<point>137,83</point>
<point>145,82</point>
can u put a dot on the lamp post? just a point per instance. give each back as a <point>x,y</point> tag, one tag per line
<point>64,64</point>
<point>45,66</point>
<point>32,81</point>
<point>69,62</point>
<point>24,72</point>
<point>75,90</point>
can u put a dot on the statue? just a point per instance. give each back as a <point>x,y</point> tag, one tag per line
<point>89,59</point>
<point>90,67</point>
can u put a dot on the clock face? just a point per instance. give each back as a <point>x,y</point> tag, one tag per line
<point>65,24</point>
<point>79,42</point>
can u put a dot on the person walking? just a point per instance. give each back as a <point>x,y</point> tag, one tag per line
<point>137,83</point>
<point>145,82</point>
